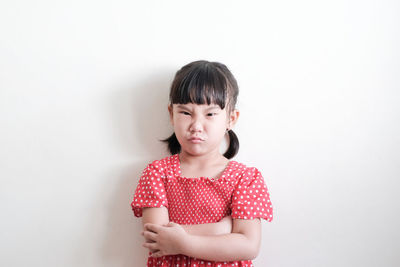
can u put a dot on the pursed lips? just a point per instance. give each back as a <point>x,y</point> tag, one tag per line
<point>195,139</point>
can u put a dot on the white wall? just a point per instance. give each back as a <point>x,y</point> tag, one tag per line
<point>83,95</point>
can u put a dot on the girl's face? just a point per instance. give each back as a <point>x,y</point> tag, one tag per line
<point>200,129</point>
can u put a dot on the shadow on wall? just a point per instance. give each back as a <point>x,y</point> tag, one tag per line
<point>139,119</point>
<point>139,116</point>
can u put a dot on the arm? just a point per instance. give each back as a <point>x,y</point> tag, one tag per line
<point>155,215</point>
<point>160,216</point>
<point>224,226</point>
<point>243,242</point>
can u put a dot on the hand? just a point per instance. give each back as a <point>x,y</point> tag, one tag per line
<point>165,240</point>
<point>149,241</point>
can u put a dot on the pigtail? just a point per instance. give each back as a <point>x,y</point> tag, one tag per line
<point>233,145</point>
<point>173,145</point>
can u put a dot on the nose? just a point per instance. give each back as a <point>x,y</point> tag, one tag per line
<point>196,125</point>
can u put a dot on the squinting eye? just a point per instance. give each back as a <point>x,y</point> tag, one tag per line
<point>185,113</point>
<point>211,114</point>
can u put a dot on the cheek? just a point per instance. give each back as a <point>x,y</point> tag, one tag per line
<point>219,128</point>
<point>180,124</point>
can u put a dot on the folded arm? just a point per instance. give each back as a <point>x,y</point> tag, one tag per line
<point>160,216</point>
<point>242,244</point>
<point>165,238</point>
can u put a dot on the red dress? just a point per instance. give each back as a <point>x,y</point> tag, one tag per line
<point>239,192</point>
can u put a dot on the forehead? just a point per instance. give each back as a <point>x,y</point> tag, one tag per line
<point>197,106</point>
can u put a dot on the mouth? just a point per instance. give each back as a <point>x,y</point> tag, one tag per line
<point>196,140</point>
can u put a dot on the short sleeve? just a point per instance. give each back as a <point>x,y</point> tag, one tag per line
<point>250,198</point>
<point>150,191</point>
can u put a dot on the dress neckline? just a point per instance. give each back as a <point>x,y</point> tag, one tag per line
<point>179,172</point>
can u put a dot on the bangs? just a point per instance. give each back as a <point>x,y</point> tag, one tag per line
<point>199,84</point>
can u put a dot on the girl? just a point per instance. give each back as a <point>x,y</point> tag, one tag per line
<point>198,207</point>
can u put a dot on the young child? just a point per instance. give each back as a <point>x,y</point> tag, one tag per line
<point>199,208</point>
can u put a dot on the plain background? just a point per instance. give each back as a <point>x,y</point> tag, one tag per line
<point>83,102</point>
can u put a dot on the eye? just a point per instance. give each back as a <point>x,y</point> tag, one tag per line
<point>211,114</point>
<point>184,113</point>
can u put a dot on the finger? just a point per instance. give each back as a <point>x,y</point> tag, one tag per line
<point>150,235</point>
<point>152,250</point>
<point>152,227</point>
<point>151,246</point>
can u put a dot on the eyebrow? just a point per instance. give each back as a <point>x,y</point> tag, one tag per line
<point>210,108</point>
<point>182,107</point>
<point>214,107</point>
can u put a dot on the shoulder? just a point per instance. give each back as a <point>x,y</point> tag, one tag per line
<point>250,196</point>
<point>242,171</point>
<point>164,166</point>
<point>244,176</point>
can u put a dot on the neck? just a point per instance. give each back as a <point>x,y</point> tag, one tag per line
<point>201,160</point>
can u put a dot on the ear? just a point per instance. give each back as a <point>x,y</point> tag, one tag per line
<point>171,114</point>
<point>233,117</point>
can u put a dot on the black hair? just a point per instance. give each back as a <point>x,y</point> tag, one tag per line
<point>204,82</point>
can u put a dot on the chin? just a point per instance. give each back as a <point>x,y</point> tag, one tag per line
<point>194,152</point>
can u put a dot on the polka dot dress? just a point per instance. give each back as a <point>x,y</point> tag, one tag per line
<point>239,192</point>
